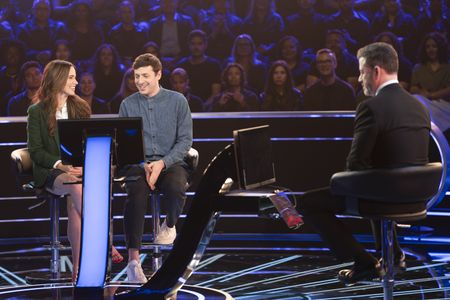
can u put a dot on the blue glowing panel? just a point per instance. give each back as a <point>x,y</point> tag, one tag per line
<point>96,212</point>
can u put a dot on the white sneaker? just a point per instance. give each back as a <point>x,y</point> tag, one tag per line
<point>135,273</point>
<point>166,235</point>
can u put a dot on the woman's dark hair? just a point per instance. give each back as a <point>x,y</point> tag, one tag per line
<point>225,83</point>
<point>283,40</point>
<point>116,64</point>
<point>442,46</point>
<point>270,88</point>
<point>395,41</point>
<point>6,44</point>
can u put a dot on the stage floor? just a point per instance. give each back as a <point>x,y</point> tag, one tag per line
<point>257,273</point>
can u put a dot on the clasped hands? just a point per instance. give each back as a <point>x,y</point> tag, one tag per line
<point>74,171</point>
<point>152,171</point>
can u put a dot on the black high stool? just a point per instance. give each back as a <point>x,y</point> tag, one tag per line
<point>388,195</point>
<point>23,167</point>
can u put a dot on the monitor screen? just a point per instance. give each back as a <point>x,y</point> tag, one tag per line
<point>253,152</point>
<point>127,132</point>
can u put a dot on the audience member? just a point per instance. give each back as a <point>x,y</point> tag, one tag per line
<point>127,36</point>
<point>86,91</point>
<point>108,72</point>
<point>12,56</point>
<point>347,64</point>
<point>244,53</point>
<point>170,30</point>
<point>404,64</point>
<point>280,93</point>
<point>62,51</point>
<point>352,21</point>
<point>127,88</point>
<point>330,92</point>
<point>434,17</point>
<point>234,96</point>
<point>307,25</point>
<point>179,80</point>
<point>290,50</point>
<point>39,33</point>
<point>198,64</point>
<point>31,76</point>
<point>393,18</point>
<point>264,25</point>
<point>431,76</point>
<point>85,35</point>
<point>222,27</point>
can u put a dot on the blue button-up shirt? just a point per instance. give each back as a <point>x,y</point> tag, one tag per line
<point>167,124</point>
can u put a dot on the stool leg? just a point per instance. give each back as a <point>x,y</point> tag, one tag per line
<point>157,255</point>
<point>387,246</point>
<point>55,262</point>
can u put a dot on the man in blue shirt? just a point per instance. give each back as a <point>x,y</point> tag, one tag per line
<point>167,125</point>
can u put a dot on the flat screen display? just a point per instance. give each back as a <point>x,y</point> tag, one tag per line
<point>129,147</point>
<point>253,152</point>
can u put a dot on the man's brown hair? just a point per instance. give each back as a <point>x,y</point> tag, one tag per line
<point>147,59</point>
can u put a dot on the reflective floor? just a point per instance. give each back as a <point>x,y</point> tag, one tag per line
<point>254,273</point>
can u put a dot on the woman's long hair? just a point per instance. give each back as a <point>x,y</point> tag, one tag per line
<point>124,91</point>
<point>441,45</point>
<point>225,83</point>
<point>271,89</point>
<point>53,82</point>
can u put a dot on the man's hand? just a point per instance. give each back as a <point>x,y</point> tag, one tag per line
<point>152,171</point>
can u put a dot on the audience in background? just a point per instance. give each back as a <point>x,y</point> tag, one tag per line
<point>279,92</point>
<point>127,87</point>
<point>203,71</point>
<point>244,53</point>
<point>222,27</point>
<point>12,56</point>
<point>85,35</point>
<point>431,76</point>
<point>170,30</point>
<point>290,50</point>
<point>270,30</point>
<point>330,92</point>
<point>31,76</point>
<point>179,81</point>
<point>127,36</point>
<point>86,90</point>
<point>234,96</point>
<point>40,32</point>
<point>264,25</point>
<point>108,71</point>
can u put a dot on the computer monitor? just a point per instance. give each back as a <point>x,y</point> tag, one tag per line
<point>129,147</point>
<point>253,153</point>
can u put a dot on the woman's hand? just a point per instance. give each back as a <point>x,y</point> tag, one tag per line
<point>75,171</point>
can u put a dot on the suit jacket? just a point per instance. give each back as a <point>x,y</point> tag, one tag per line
<point>184,26</point>
<point>391,130</point>
<point>44,148</point>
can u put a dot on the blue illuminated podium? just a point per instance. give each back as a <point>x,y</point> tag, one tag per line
<point>97,144</point>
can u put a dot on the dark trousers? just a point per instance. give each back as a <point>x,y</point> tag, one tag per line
<point>319,209</point>
<point>171,183</point>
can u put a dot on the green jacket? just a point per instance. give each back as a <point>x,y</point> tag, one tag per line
<point>44,149</point>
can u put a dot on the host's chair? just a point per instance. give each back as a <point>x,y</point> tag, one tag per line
<point>23,167</point>
<point>192,160</point>
<point>390,196</point>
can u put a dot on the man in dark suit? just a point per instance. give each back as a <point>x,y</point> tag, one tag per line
<point>391,130</point>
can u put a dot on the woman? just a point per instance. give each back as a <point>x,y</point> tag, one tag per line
<point>244,53</point>
<point>290,50</point>
<point>62,50</point>
<point>127,87</point>
<point>235,97</point>
<point>56,99</point>
<point>431,77</point>
<point>108,71</point>
<point>280,93</point>
<point>86,91</point>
